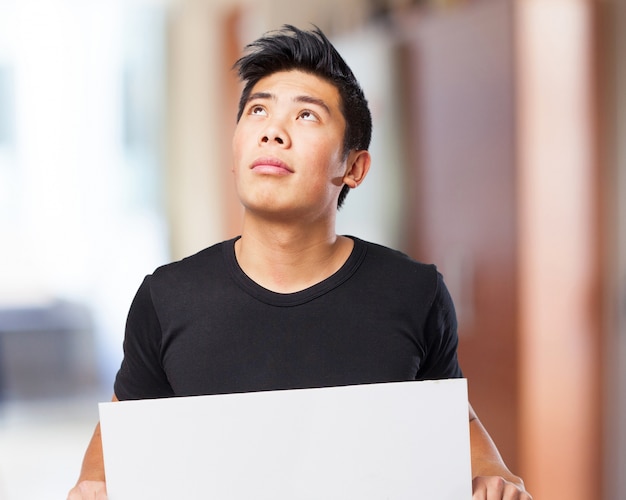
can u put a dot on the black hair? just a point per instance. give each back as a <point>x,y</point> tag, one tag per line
<point>310,51</point>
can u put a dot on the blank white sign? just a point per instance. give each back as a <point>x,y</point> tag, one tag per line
<point>395,441</point>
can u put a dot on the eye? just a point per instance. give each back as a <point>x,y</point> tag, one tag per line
<point>258,110</point>
<point>308,116</point>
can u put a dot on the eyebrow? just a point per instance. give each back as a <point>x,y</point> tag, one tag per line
<point>301,98</point>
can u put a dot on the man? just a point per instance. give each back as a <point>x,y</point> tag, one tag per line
<point>290,304</point>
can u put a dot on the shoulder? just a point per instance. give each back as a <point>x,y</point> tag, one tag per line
<point>201,266</point>
<point>398,274</point>
<point>390,260</point>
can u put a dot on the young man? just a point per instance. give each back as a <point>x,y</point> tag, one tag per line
<point>290,304</point>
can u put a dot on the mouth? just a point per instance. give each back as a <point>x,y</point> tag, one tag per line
<point>270,165</point>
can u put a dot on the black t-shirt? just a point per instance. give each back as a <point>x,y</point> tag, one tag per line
<point>201,326</point>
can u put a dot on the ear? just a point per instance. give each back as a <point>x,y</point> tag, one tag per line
<point>357,167</point>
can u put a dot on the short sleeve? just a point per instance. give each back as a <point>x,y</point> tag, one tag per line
<point>141,375</point>
<point>441,336</point>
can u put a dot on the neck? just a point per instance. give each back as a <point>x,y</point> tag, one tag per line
<point>287,258</point>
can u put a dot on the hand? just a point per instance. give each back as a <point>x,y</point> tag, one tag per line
<point>497,488</point>
<point>88,490</point>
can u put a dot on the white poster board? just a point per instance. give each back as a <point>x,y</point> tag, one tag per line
<point>396,441</point>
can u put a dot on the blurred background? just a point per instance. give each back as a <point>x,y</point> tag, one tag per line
<point>499,153</point>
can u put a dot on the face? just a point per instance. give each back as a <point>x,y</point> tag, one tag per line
<point>288,147</point>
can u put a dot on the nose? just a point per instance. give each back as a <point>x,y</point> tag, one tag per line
<point>266,139</point>
<point>275,133</point>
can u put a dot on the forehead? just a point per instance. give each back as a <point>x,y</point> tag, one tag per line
<point>298,83</point>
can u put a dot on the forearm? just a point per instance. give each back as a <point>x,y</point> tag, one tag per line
<point>486,459</point>
<point>93,463</point>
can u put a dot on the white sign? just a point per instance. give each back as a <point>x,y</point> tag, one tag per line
<point>395,441</point>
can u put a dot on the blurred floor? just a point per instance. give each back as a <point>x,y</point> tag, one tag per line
<point>41,445</point>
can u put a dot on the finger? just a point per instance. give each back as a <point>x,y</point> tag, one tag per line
<point>479,488</point>
<point>496,487</point>
<point>513,491</point>
<point>516,493</point>
<point>493,488</point>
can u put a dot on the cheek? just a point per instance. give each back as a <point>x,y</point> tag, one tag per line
<point>241,135</point>
<point>326,150</point>
<point>237,153</point>
<point>235,144</point>
<point>337,164</point>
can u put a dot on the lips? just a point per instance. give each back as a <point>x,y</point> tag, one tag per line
<point>271,165</point>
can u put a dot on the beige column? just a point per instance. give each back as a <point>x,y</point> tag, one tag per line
<point>558,257</point>
<point>197,155</point>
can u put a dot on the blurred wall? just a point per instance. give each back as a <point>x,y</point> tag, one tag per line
<point>81,130</point>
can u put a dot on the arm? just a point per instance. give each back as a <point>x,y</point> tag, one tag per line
<point>91,482</point>
<point>489,472</point>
